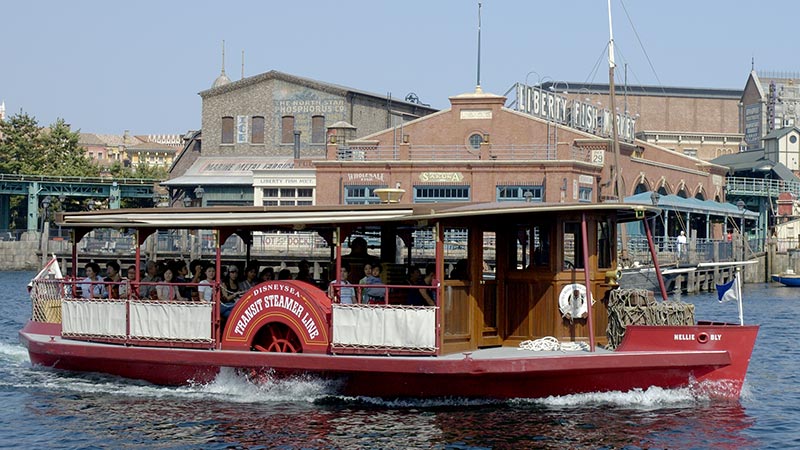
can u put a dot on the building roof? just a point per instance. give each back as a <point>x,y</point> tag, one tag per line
<point>754,161</point>
<point>230,170</point>
<point>643,90</point>
<point>315,84</point>
<point>780,132</point>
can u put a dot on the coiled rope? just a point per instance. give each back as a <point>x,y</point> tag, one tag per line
<point>551,344</point>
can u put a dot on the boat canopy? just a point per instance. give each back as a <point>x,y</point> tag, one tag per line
<point>321,216</point>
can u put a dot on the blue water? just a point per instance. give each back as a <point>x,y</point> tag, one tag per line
<point>47,409</point>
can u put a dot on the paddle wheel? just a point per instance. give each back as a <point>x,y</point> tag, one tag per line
<point>277,337</point>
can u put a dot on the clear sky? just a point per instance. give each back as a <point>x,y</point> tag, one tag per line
<point>109,66</point>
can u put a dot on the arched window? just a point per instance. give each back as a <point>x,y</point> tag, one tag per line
<point>227,130</point>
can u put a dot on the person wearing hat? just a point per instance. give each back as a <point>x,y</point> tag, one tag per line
<point>681,243</point>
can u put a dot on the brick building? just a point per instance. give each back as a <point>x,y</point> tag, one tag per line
<point>478,150</point>
<point>274,122</point>
<point>699,122</point>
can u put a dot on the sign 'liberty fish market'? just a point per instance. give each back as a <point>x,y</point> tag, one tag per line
<point>573,113</point>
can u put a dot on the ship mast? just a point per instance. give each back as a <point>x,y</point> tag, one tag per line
<point>615,136</point>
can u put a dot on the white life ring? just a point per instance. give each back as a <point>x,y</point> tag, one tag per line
<point>572,302</point>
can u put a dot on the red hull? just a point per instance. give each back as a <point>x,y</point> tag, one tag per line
<point>667,357</point>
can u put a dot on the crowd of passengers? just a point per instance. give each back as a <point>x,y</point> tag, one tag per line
<point>178,281</point>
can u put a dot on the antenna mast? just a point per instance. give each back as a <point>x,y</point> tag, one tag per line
<point>615,138</point>
<point>479,46</point>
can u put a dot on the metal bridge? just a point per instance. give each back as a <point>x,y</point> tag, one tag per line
<point>38,187</point>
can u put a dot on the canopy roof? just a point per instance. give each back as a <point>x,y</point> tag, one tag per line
<point>300,217</point>
<point>693,205</point>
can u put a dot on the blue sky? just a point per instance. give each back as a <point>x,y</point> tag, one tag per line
<point>107,66</point>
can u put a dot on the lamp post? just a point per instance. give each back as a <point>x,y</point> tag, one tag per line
<point>740,205</point>
<point>45,227</point>
<point>61,199</point>
<point>529,73</point>
<point>198,194</point>
<point>554,86</point>
<point>45,206</point>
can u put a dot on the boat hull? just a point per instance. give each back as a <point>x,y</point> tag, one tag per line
<point>787,280</point>
<point>668,357</point>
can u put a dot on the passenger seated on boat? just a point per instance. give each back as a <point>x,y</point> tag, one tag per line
<point>112,276</point>
<point>304,272</point>
<point>92,286</point>
<point>428,294</point>
<point>344,293</point>
<point>367,269</point>
<point>250,277</point>
<point>206,288</point>
<point>357,259</point>
<point>460,271</point>
<point>374,295</point>
<point>151,276</point>
<point>169,291</point>
<point>268,274</point>
<point>230,289</point>
<point>181,271</point>
<point>413,297</point>
<point>125,289</point>
<point>285,274</point>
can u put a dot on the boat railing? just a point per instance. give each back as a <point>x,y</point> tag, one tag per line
<point>116,313</point>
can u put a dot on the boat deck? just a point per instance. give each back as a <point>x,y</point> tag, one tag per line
<point>517,352</point>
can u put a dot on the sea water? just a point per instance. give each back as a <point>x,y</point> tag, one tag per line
<point>42,408</point>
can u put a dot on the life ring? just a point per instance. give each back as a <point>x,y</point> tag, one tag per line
<point>572,302</point>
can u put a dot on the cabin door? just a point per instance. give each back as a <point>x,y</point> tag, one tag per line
<point>485,289</point>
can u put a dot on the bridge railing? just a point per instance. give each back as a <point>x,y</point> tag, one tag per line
<point>72,179</point>
<point>761,186</point>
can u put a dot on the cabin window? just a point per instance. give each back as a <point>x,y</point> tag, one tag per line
<point>257,135</point>
<point>318,129</point>
<point>572,257</point>
<point>519,193</point>
<point>533,246</point>
<point>361,195</point>
<point>287,130</point>
<point>604,244</point>
<point>434,194</point>
<point>227,130</point>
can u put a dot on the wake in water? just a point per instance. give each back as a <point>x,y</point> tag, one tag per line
<point>236,386</point>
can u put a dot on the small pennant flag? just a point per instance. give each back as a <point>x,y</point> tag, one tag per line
<point>727,292</point>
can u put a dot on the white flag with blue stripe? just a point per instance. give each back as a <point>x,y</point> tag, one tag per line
<point>727,292</point>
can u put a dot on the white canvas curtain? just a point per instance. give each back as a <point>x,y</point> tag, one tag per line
<point>384,327</point>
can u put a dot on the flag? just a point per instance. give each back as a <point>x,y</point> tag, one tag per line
<point>727,292</point>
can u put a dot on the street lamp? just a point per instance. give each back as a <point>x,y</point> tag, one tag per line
<point>529,73</point>
<point>554,86</point>
<point>654,198</point>
<point>187,201</point>
<point>46,206</point>
<point>740,205</point>
<point>198,194</point>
